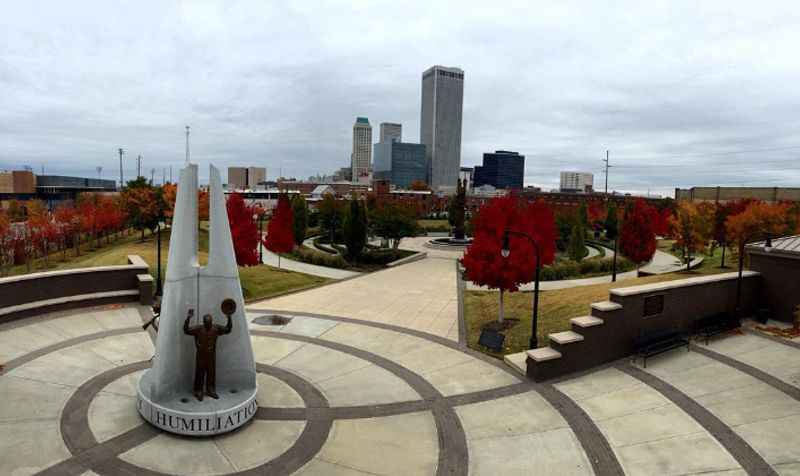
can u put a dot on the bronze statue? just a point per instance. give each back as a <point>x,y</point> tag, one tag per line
<point>205,342</point>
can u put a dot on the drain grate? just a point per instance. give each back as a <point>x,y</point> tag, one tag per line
<point>272,320</point>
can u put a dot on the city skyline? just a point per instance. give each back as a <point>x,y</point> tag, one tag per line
<point>702,98</point>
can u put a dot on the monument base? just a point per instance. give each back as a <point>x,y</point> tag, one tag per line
<point>185,415</point>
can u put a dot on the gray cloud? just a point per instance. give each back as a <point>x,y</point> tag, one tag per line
<point>681,93</point>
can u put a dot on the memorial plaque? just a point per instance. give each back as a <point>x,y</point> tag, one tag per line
<point>653,305</point>
<point>492,340</point>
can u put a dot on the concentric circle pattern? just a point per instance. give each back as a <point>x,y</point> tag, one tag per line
<point>345,396</point>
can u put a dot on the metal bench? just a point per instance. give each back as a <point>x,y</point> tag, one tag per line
<point>657,342</point>
<point>710,326</point>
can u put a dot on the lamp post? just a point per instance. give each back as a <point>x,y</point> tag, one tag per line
<point>505,252</point>
<point>159,290</point>
<point>260,237</point>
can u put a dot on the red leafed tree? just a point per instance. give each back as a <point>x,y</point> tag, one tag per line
<point>243,230</point>
<point>483,260</point>
<point>638,236</point>
<point>280,231</point>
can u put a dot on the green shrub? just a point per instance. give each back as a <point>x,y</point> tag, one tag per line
<point>307,255</point>
<point>586,268</point>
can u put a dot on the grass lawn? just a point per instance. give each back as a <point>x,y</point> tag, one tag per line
<point>555,307</point>
<point>441,225</point>
<point>258,282</point>
<point>711,263</point>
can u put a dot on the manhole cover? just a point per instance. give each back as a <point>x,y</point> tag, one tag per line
<point>272,320</point>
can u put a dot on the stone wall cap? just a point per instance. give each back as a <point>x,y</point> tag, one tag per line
<point>67,272</point>
<point>680,283</point>
<point>606,306</point>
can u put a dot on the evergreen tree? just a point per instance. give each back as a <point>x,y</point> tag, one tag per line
<point>355,230</point>
<point>612,222</point>
<point>577,247</point>
<point>300,215</point>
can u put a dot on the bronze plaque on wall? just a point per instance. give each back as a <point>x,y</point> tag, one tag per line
<point>653,305</point>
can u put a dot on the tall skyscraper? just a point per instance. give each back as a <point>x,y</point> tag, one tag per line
<point>391,131</point>
<point>361,157</point>
<point>501,169</point>
<point>400,163</point>
<point>440,124</point>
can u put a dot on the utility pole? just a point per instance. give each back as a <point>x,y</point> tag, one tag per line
<point>187,145</point>
<point>152,174</point>
<point>139,166</point>
<point>607,167</point>
<point>121,178</point>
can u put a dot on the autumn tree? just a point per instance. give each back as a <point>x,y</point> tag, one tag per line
<point>300,216</point>
<point>143,207</point>
<point>637,236</point>
<point>419,185</point>
<point>244,231</point>
<point>690,228</point>
<point>6,244</point>
<point>483,260</point>
<point>280,231</point>
<point>355,229</point>
<point>758,221</point>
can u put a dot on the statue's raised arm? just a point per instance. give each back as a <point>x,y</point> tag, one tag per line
<point>228,308</point>
<point>186,329</point>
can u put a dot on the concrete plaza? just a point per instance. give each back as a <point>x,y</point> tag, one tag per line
<point>368,377</point>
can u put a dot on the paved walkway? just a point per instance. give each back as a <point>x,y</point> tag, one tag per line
<point>420,295</point>
<point>339,396</point>
<point>271,259</point>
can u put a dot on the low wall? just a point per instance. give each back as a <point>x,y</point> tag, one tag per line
<point>634,311</point>
<point>35,293</point>
<point>781,275</point>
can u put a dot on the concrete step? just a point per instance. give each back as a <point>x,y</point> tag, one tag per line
<point>586,321</point>
<point>566,337</point>
<point>606,306</point>
<point>517,361</point>
<point>543,354</point>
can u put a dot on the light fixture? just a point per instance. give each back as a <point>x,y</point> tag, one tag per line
<point>505,251</point>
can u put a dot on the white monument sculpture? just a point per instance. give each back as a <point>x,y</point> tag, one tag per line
<point>203,378</point>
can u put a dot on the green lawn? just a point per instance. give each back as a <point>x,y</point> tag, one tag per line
<point>258,282</point>
<point>711,262</point>
<point>555,307</point>
<point>434,225</point>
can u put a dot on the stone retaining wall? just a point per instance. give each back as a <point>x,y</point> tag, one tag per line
<point>35,293</point>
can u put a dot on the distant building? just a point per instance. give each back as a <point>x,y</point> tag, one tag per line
<point>17,181</point>
<point>502,169</point>
<point>729,194</point>
<point>361,157</point>
<point>400,163</point>
<point>52,189</point>
<point>246,178</point>
<point>345,174</point>
<point>440,124</point>
<point>576,182</point>
<point>391,131</point>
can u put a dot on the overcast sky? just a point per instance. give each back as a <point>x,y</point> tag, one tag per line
<point>681,93</point>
